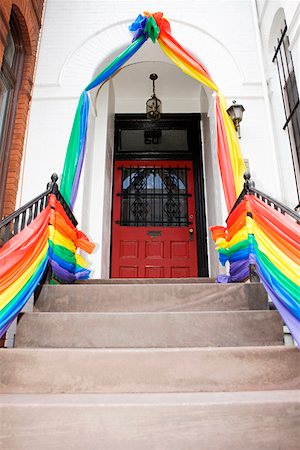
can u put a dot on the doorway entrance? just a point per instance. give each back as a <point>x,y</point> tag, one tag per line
<point>158,217</point>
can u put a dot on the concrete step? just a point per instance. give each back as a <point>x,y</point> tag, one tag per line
<point>149,370</point>
<point>214,421</point>
<point>152,297</point>
<point>146,280</point>
<point>138,330</point>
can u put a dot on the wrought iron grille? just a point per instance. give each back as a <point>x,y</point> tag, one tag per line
<point>154,196</point>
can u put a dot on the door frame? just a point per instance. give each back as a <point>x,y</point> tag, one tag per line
<point>195,151</point>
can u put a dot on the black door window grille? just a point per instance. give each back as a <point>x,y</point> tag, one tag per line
<point>154,196</point>
<point>290,96</point>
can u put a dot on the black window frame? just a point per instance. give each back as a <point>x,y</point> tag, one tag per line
<point>290,97</point>
<point>11,75</point>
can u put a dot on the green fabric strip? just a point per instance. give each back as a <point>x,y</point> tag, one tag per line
<point>286,283</point>
<point>62,252</point>
<point>152,29</point>
<point>71,156</point>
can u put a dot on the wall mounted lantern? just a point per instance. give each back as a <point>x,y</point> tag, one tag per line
<point>153,105</point>
<point>236,113</point>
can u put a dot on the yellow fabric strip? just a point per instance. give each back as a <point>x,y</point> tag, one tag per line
<point>12,290</point>
<point>283,263</point>
<point>81,261</point>
<point>241,235</point>
<point>59,239</point>
<point>186,68</point>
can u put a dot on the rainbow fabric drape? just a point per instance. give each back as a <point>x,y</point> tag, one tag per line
<point>51,237</point>
<point>157,27</point>
<point>258,234</point>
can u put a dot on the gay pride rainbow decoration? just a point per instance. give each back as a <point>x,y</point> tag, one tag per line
<point>258,234</point>
<point>157,28</point>
<point>49,238</point>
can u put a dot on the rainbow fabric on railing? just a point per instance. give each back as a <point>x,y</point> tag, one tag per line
<point>258,234</point>
<point>157,27</point>
<point>50,237</point>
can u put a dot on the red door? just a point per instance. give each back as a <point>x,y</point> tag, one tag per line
<point>153,231</point>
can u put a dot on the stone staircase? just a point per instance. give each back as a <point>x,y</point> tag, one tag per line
<point>150,364</point>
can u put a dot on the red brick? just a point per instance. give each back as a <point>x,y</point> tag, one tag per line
<point>30,28</point>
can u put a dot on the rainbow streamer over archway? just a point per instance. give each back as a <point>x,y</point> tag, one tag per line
<point>157,28</point>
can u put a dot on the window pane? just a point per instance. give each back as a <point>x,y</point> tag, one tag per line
<point>9,51</point>
<point>4,97</point>
<point>296,129</point>
<point>157,140</point>
<point>154,196</point>
<point>291,91</point>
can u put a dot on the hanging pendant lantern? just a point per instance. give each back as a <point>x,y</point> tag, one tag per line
<point>153,105</point>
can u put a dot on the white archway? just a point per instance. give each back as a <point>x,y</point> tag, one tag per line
<point>127,92</point>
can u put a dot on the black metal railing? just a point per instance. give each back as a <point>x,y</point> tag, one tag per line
<point>249,189</point>
<point>18,220</point>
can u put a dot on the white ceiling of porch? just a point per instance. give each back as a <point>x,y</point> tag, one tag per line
<point>133,80</point>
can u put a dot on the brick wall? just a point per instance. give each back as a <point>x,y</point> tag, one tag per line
<point>28,14</point>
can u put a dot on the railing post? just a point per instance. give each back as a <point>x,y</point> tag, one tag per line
<point>247,177</point>
<point>248,184</point>
<point>253,275</point>
<point>54,190</point>
<point>53,183</point>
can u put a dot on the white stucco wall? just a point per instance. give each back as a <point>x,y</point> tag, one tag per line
<point>80,38</point>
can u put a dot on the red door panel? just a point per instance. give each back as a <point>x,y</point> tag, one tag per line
<point>153,231</point>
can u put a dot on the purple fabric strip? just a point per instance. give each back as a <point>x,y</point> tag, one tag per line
<point>67,276</point>
<point>291,321</point>
<point>83,274</point>
<point>61,273</point>
<point>239,270</point>
<point>223,278</point>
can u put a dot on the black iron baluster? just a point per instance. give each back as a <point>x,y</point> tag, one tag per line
<point>23,221</point>
<point>7,233</point>
<point>35,210</point>
<point>41,204</point>
<point>29,220</point>
<point>16,225</point>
